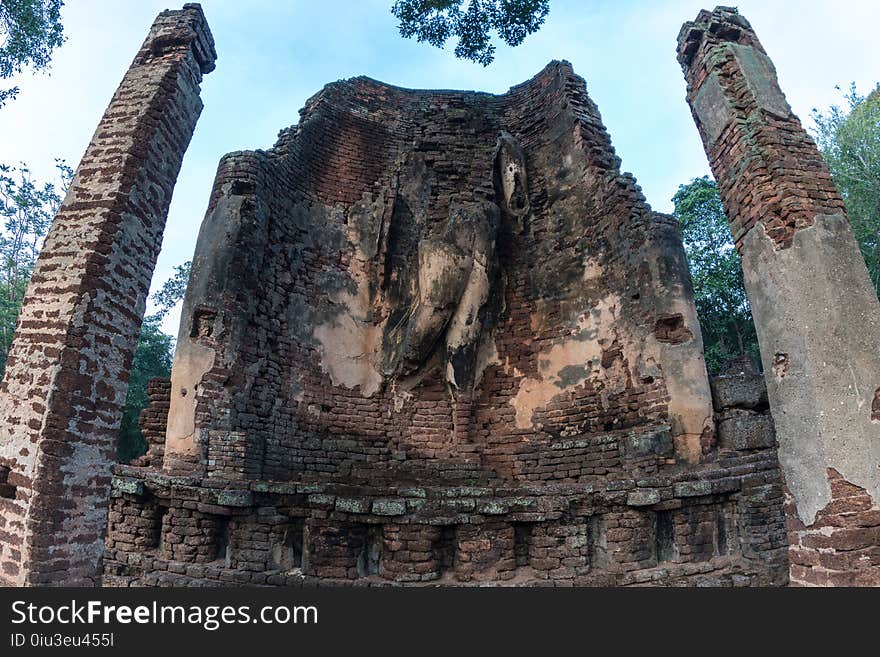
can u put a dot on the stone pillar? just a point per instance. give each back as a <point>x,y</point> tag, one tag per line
<point>816,312</point>
<point>66,378</point>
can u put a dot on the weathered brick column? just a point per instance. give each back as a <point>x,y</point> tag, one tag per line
<point>817,315</point>
<point>66,378</point>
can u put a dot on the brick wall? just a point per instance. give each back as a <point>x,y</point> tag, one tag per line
<point>720,524</point>
<point>842,546</point>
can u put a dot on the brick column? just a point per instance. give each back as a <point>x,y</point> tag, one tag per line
<point>816,312</point>
<point>66,378</point>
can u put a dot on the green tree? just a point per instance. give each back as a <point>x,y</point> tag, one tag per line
<point>719,290</point>
<point>152,359</point>
<point>29,31</point>
<point>27,208</point>
<point>172,290</point>
<point>850,143</point>
<point>472,22</point>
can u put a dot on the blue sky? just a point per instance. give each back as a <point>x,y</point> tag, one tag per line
<point>274,54</point>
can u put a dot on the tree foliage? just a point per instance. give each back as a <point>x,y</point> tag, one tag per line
<point>472,22</point>
<point>172,290</point>
<point>719,290</point>
<point>850,143</point>
<point>29,31</point>
<point>26,208</point>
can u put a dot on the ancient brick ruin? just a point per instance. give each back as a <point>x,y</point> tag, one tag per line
<point>438,337</point>
<point>430,337</point>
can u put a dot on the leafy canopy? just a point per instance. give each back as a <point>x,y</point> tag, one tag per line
<point>172,290</point>
<point>471,21</point>
<point>850,143</point>
<point>719,289</point>
<point>29,31</point>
